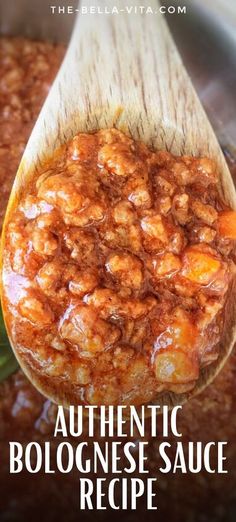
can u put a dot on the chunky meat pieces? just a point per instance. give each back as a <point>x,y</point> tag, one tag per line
<point>116,270</point>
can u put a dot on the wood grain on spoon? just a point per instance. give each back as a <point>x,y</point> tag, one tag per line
<point>125,71</point>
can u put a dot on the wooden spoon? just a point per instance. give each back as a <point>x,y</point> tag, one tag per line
<point>124,71</point>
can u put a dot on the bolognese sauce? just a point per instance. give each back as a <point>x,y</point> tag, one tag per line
<point>116,270</point>
<point>26,412</point>
<point>27,69</point>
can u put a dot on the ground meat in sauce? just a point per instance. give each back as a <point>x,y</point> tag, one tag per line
<point>27,70</point>
<point>120,259</point>
<point>23,411</point>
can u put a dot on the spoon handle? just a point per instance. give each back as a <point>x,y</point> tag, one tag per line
<point>124,70</point>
